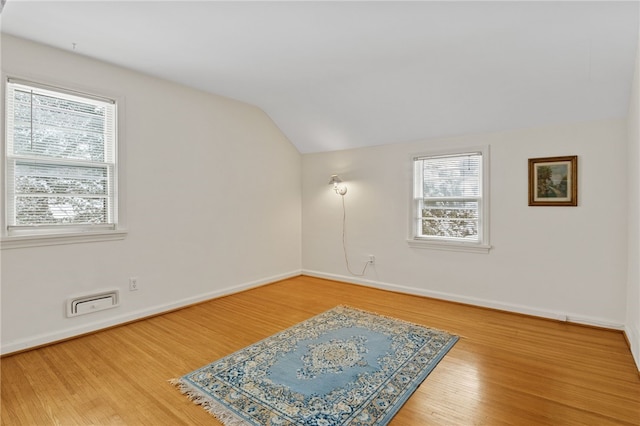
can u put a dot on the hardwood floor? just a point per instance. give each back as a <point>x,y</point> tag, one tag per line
<point>506,369</point>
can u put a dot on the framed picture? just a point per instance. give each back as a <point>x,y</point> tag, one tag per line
<point>553,181</point>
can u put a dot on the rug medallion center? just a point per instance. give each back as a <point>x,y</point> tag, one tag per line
<point>333,356</point>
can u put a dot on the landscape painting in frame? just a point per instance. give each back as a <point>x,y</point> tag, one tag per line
<point>553,181</point>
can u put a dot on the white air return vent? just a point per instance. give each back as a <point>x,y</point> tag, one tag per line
<point>89,303</point>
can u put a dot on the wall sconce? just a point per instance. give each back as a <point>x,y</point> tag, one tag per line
<point>340,188</point>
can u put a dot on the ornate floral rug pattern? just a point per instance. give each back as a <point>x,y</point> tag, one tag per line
<point>342,367</point>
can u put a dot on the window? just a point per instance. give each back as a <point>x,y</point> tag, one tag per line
<point>61,171</point>
<point>450,203</point>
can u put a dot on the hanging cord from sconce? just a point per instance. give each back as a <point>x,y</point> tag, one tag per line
<point>344,242</point>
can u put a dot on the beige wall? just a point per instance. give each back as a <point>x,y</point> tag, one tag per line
<point>549,261</point>
<point>212,204</point>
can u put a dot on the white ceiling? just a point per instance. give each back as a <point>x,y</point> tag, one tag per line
<point>337,75</point>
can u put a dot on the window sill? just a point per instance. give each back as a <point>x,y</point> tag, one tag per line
<point>25,241</point>
<point>449,246</point>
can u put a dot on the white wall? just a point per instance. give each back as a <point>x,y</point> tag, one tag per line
<point>212,197</point>
<point>547,261</point>
<point>632,328</point>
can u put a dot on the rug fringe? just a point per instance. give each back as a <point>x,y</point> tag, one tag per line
<point>224,415</point>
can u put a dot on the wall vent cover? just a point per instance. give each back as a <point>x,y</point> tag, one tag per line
<point>95,302</point>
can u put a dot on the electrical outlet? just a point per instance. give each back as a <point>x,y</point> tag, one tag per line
<point>372,259</point>
<point>133,284</point>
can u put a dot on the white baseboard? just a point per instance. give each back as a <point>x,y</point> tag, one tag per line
<point>47,338</point>
<point>42,339</point>
<point>520,309</point>
<point>633,337</point>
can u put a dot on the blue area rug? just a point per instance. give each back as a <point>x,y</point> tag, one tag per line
<point>342,367</point>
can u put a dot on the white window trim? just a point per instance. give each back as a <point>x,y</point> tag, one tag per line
<point>78,234</point>
<point>25,241</point>
<point>447,244</point>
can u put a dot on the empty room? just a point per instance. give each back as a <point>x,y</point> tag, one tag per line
<point>321,213</point>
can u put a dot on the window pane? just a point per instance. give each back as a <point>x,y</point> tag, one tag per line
<point>451,219</point>
<point>58,128</point>
<point>60,179</point>
<point>60,210</point>
<point>452,176</point>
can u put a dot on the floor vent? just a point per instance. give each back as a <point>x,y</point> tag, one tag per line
<point>92,303</point>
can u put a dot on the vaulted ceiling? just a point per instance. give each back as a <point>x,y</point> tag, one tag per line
<point>338,75</point>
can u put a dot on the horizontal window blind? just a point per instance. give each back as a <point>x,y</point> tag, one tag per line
<point>61,158</point>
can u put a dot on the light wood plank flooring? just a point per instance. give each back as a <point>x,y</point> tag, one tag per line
<point>506,369</point>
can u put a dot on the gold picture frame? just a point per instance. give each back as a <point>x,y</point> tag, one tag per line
<point>553,181</point>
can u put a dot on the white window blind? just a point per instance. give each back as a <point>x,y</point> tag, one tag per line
<point>60,159</point>
<point>448,193</point>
